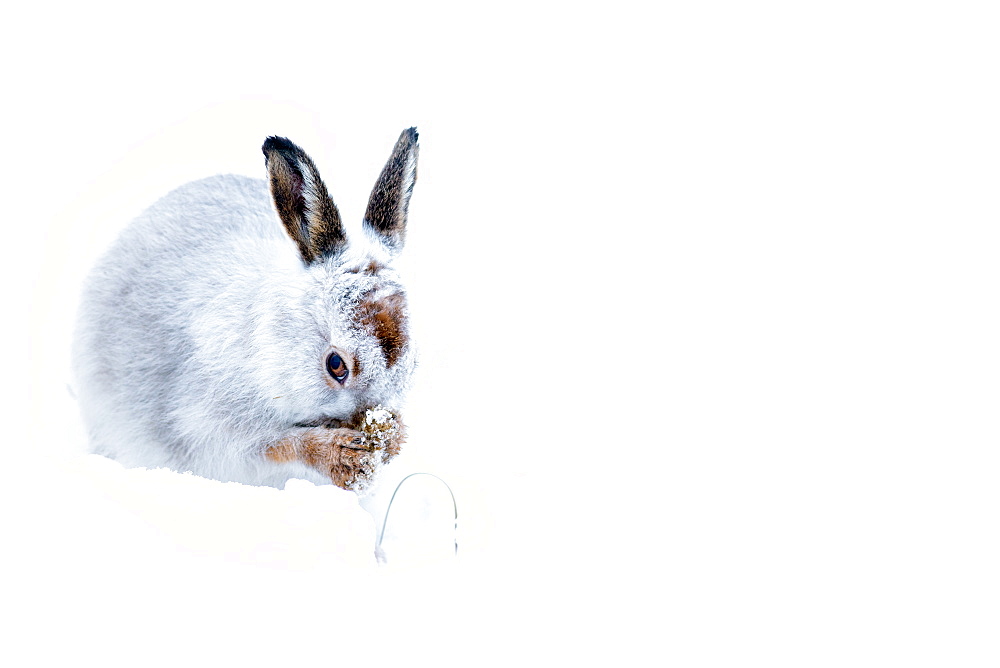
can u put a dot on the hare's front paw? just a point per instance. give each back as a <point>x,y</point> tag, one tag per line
<point>341,453</point>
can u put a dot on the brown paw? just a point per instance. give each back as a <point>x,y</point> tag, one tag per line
<point>383,431</point>
<point>351,457</point>
<point>349,460</point>
<point>343,454</point>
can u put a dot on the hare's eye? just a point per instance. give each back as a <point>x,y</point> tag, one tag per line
<point>336,367</point>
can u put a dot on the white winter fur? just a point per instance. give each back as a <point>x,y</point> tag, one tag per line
<point>202,336</point>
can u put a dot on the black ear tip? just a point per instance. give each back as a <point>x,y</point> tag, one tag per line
<point>277,144</point>
<point>412,134</point>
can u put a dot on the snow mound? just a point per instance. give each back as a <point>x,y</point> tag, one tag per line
<point>301,527</point>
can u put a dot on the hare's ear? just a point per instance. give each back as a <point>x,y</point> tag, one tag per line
<point>302,201</point>
<point>386,213</point>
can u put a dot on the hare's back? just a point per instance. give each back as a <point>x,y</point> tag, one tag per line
<point>187,265</point>
<point>197,242</point>
<point>215,210</point>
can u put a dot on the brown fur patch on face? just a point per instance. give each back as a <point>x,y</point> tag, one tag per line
<point>386,319</point>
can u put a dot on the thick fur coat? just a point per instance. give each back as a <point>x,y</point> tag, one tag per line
<point>234,331</point>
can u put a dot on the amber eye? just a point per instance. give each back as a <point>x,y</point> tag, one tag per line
<point>336,367</point>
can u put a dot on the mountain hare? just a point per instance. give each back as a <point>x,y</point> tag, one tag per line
<point>234,331</point>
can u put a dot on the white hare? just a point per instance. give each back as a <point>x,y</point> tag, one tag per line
<point>234,331</point>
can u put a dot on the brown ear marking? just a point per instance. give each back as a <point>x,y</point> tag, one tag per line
<point>390,199</point>
<point>385,318</point>
<point>301,199</point>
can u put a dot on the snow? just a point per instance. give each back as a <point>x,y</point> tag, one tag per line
<point>706,301</point>
<point>300,527</point>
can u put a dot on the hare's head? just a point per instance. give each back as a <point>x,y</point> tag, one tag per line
<point>351,326</point>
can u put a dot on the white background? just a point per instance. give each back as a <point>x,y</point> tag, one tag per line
<point>707,297</point>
